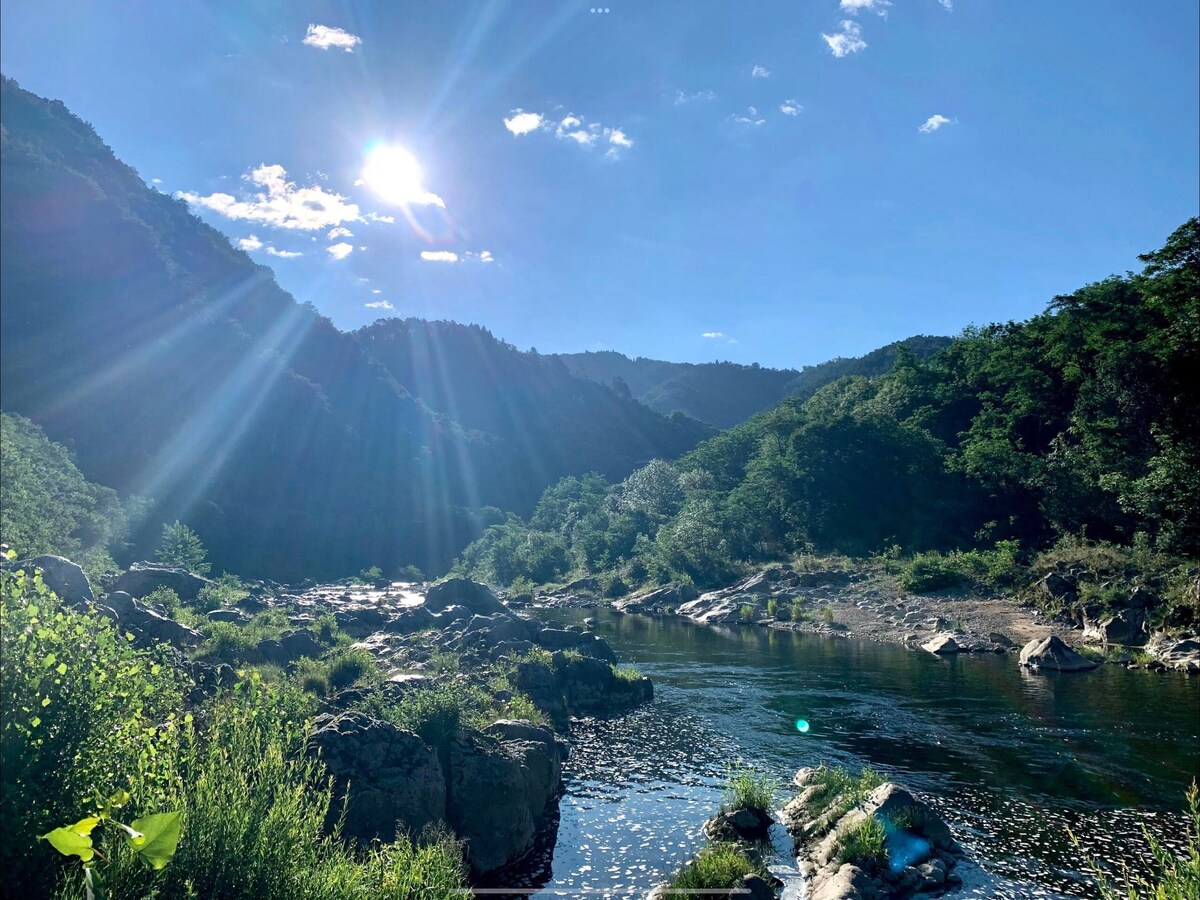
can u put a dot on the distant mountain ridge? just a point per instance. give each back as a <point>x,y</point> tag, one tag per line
<point>725,394</point>
<point>175,367</point>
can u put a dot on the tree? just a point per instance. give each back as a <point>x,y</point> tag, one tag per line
<point>181,548</point>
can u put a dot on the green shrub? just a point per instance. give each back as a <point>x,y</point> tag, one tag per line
<point>434,713</point>
<point>350,666</point>
<point>837,790</point>
<point>927,572</point>
<point>167,599</point>
<point>862,844</point>
<point>772,607</point>
<point>799,611</point>
<point>718,866</point>
<point>627,673</point>
<point>521,707</point>
<point>180,547</point>
<point>827,615</point>
<point>84,715</point>
<point>749,788</point>
<point>411,573</point>
<point>312,675</point>
<point>370,575</point>
<point>221,593</point>
<point>746,612</point>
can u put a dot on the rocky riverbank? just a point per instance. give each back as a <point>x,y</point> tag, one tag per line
<point>488,694</point>
<point>872,606</point>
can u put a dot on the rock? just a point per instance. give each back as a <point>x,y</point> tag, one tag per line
<point>418,618</point>
<point>145,578</point>
<point>407,681</point>
<point>590,622</point>
<point>498,628</point>
<point>999,639</point>
<point>847,883</point>
<point>290,647</point>
<point>591,687</point>
<point>1183,655</point>
<point>226,615</point>
<point>670,595</point>
<point>148,625</point>
<point>586,643</point>
<point>62,576</point>
<point>893,803</point>
<point>512,648</point>
<point>475,597</point>
<point>1127,627</point>
<point>755,887</point>
<point>1059,587</point>
<point>359,621</point>
<point>497,793</point>
<point>942,644</point>
<point>739,825</point>
<point>1052,653</point>
<point>540,683</point>
<point>719,607</point>
<point>392,776</point>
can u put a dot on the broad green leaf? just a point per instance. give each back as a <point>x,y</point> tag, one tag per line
<point>74,840</point>
<point>160,837</point>
<point>116,801</point>
<point>62,669</point>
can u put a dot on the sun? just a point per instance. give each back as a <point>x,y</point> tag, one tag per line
<point>395,176</point>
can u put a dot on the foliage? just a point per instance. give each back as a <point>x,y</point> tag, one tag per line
<point>748,788</point>
<point>81,707</point>
<point>180,547</point>
<point>862,844</point>
<point>627,673</point>
<point>221,593</point>
<point>166,599</point>
<point>836,790</point>
<point>49,507</point>
<point>348,667</point>
<point>435,713</point>
<point>718,866</point>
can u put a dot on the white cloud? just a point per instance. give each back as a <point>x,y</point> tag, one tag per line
<point>376,291</point>
<point>570,122</point>
<point>713,334</point>
<point>156,181</point>
<point>790,108</point>
<point>323,37</point>
<point>283,254</point>
<point>379,304</point>
<point>933,123</point>
<point>681,97</point>
<point>340,250</point>
<point>617,137</point>
<point>250,243</point>
<point>875,6</point>
<point>848,40</point>
<point>522,122</point>
<point>386,220</point>
<point>578,135</point>
<point>339,232</point>
<point>750,118</point>
<point>760,72</point>
<point>947,5</point>
<point>439,256</point>
<point>279,202</point>
<point>486,256</point>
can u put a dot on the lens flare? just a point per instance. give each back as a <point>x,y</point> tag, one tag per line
<point>802,726</point>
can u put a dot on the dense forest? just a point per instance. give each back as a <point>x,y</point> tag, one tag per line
<point>176,370</point>
<point>725,394</point>
<point>1082,421</point>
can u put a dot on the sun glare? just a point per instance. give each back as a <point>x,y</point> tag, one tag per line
<point>395,176</point>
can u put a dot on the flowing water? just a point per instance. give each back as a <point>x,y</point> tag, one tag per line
<point>1011,759</point>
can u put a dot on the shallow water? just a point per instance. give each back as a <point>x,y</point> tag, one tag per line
<point>1012,759</point>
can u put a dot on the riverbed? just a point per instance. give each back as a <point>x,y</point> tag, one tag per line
<point>1015,761</point>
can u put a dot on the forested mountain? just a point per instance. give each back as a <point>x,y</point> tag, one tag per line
<point>175,368</point>
<point>725,394</point>
<point>1083,421</point>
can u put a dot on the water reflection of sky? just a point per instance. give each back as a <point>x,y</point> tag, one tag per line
<point>1010,760</point>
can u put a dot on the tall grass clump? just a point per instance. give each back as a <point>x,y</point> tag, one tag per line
<point>862,844</point>
<point>749,788</point>
<point>348,667</point>
<point>837,790</point>
<point>719,866</point>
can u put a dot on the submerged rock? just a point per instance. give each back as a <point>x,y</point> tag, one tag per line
<point>1052,653</point>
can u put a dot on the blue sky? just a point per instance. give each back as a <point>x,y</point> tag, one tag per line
<point>779,182</point>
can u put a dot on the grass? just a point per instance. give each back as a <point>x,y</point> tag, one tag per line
<point>435,713</point>
<point>862,844</point>
<point>837,790</point>
<point>627,673</point>
<point>748,788</point>
<point>221,593</point>
<point>799,611</point>
<point>349,667</point>
<point>827,615</point>
<point>746,611</point>
<point>718,866</point>
<point>1179,876</point>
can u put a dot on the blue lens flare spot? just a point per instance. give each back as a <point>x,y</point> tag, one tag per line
<point>802,726</point>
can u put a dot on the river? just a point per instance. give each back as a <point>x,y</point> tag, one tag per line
<point>1014,760</point>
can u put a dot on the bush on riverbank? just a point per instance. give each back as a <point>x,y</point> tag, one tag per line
<point>749,788</point>
<point>86,714</point>
<point>719,866</point>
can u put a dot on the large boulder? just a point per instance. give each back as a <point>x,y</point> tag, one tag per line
<point>498,791</point>
<point>392,777</point>
<point>1127,627</point>
<point>669,596</point>
<point>718,607</point>
<point>592,687</point>
<point>145,578</point>
<point>477,598</point>
<point>290,647</point>
<point>62,576</point>
<point>1178,654</point>
<point>943,644</point>
<point>146,624</point>
<point>540,684</point>
<point>1052,653</point>
<point>496,629</point>
<point>584,642</point>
